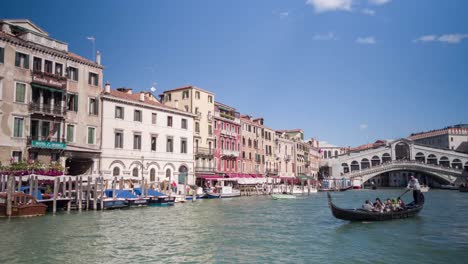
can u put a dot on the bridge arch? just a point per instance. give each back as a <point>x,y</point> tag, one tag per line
<point>420,157</point>
<point>365,164</point>
<point>432,159</point>
<point>466,166</point>
<point>354,166</point>
<point>440,178</point>
<point>386,158</point>
<point>402,151</point>
<point>444,161</point>
<point>375,161</point>
<point>457,164</point>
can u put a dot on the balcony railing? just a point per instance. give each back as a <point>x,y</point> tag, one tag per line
<point>198,116</point>
<point>204,169</point>
<point>203,151</point>
<point>47,109</point>
<point>49,79</point>
<point>272,171</point>
<point>234,119</point>
<point>228,152</point>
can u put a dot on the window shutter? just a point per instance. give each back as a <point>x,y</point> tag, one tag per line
<point>89,78</point>
<point>75,103</point>
<point>17,59</point>
<point>96,80</point>
<point>2,55</point>
<point>96,106</point>
<point>76,75</point>
<point>26,62</point>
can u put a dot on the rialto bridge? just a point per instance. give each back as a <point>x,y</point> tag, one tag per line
<point>399,155</point>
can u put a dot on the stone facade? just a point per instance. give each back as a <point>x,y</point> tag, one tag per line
<point>228,139</point>
<point>49,100</point>
<point>143,138</point>
<point>285,151</point>
<point>453,138</point>
<point>253,151</point>
<point>199,102</point>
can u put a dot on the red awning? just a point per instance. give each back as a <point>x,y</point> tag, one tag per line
<point>209,176</point>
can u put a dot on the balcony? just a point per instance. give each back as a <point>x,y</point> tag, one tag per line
<point>204,169</point>
<point>49,80</point>
<point>203,152</point>
<point>198,116</point>
<point>272,171</point>
<point>230,153</point>
<point>287,157</point>
<point>47,109</point>
<point>228,133</point>
<point>235,119</point>
<point>46,142</point>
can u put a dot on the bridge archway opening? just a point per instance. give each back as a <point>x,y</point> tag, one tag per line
<point>420,157</point>
<point>402,151</point>
<point>345,167</point>
<point>432,159</point>
<point>399,178</point>
<point>386,158</point>
<point>375,161</point>
<point>466,166</point>
<point>444,161</point>
<point>365,164</point>
<point>457,164</point>
<point>354,165</point>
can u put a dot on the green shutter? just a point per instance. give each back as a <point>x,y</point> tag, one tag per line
<point>17,59</point>
<point>2,55</point>
<point>96,106</point>
<point>90,135</point>
<point>18,127</point>
<point>69,133</point>
<point>20,92</point>
<point>76,103</point>
<point>76,74</point>
<point>26,62</point>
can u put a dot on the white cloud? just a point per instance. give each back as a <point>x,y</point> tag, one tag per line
<point>284,14</point>
<point>321,6</point>
<point>327,36</point>
<point>368,11</point>
<point>379,2</point>
<point>446,38</point>
<point>366,40</point>
<point>363,126</point>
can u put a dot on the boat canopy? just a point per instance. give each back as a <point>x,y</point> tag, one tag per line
<point>151,192</point>
<point>126,194</point>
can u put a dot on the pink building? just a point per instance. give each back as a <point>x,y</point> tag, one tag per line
<point>228,139</point>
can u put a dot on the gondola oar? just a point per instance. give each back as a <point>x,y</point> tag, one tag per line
<point>407,190</point>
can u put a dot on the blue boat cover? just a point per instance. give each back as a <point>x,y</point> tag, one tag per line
<point>25,189</point>
<point>150,192</point>
<point>126,194</point>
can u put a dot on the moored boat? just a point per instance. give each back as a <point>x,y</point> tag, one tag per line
<point>22,204</point>
<point>131,199</point>
<point>364,215</point>
<point>156,198</point>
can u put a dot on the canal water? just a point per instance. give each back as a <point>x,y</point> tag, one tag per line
<point>243,230</point>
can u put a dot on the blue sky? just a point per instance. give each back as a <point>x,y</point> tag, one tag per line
<point>346,71</point>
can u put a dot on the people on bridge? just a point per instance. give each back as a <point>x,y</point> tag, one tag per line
<point>368,206</point>
<point>414,184</point>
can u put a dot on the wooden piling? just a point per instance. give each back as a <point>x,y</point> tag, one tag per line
<point>88,192</point>
<point>114,183</point>
<point>80,193</point>
<point>308,187</point>
<point>185,187</point>
<point>36,187</point>
<point>102,192</point>
<point>70,195</point>
<point>95,193</point>
<point>9,194</point>
<point>20,182</point>
<point>54,202</point>
<point>31,185</point>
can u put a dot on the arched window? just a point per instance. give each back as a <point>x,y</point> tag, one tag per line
<point>116,171</point>
<point>354,166</point>
<point>152,175</point>
<point>168,174</point>
<point>420,157</point>
<point>135,172</point>
<point>183,173</point>
<point>336,153</point>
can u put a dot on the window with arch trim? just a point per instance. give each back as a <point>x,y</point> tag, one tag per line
<point>116,171</point>
<point>135,172</point>
<point>152,175</point>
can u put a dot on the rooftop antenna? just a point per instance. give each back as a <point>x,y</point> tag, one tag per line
<point>93,41</point>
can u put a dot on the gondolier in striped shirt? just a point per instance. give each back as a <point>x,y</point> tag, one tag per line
<point>414,184</point>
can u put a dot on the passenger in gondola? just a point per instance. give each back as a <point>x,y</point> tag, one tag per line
<point>378,205</point>
<point>368,206</point>
<point>388,205</point>
<point>401,204</point>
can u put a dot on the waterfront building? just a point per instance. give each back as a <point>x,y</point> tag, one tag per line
<point>452,137</point>
<point>227,157</point>
<point>329,151</point>
<point>285,149</point>
<point>199,102</point>
<point>253,154</point>
<point>143,138</point>
<point>269,136</point>
<point>314,158</point>
<point>49,100</point>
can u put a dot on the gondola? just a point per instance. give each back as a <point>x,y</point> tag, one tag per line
<point>363,215</point>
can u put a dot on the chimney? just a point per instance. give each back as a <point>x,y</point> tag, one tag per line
<point>142,96</point>
<point>107,88</point>
<point>98,57</point>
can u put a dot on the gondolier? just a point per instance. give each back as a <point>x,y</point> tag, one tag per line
<point>414,184</point>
